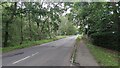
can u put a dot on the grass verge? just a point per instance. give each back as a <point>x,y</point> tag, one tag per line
<point>29,44</point>
<point>103,56</point>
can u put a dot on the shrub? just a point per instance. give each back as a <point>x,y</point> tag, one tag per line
<point>106,39</point>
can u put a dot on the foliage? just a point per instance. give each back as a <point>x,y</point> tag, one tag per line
<point>106,39</point>
<point>79,37</point>
<point>66,27</point>
<point>29,21</point>
<point>97,18</point>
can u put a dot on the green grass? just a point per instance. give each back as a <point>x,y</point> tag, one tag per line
<point>29,44</point>
<point>0,49</point>
<point>103,56</point>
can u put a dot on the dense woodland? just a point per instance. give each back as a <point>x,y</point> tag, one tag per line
<point>30,21</point>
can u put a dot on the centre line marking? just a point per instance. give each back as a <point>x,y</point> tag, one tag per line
<point>21,60</point>
<point>35,53</point>
<point>25,58</point>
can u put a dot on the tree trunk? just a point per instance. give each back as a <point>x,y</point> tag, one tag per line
<point>30,36</point>
<point>21,30</point>
<point>5,43</point>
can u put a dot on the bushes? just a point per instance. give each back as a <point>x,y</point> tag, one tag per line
<point>78,38</point>
<point>106,39</point>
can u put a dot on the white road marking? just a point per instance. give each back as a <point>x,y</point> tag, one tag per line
<point>25,58</point>
<point>35,53</point>
<point>21,60</point>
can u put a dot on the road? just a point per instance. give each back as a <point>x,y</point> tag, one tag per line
<point>56,53</point>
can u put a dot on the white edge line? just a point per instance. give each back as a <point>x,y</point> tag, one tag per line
<point>21,60</point>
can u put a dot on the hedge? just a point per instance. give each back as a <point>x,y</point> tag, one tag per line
<point>106,39</point>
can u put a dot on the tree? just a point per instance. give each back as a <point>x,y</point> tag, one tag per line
<point>24,21</point>
<point>67,27</point>
<point>8,8</point>
<point>101,19</point>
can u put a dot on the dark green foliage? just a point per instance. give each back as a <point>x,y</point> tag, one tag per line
<point>106,39</point>
<point>102,18</point>
<point>28,21</point>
